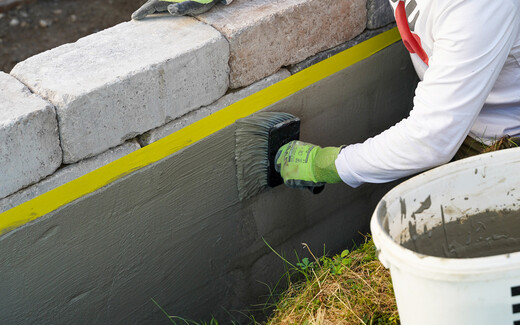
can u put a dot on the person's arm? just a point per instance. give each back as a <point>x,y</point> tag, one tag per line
<point>472,42</point>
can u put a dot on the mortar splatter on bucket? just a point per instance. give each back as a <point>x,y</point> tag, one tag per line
<point>458,211</point>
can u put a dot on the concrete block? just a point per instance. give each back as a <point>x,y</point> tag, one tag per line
<point>335,50</point>
<point>30,145</point>
<point>113,85</point>
<point>67,174</point>
<point>226,100</point>
<point>265,35</point>
<point>380,13</point>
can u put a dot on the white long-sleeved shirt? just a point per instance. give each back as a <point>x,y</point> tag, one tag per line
<point>470,84</point>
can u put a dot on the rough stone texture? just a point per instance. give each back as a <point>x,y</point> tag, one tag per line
<point>333,51</point>
<point>113,85</point>
<point>67,174</point>
<point>265,35</point>
<point>196,115</point>
<point>30,146</point>
<point>380,13</point>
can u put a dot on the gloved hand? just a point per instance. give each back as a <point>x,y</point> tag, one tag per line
<point>304,165</point>
<point>176,7</point>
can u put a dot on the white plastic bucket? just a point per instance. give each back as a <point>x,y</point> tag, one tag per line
<point>443,291</point>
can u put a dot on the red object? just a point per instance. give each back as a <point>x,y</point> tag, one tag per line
<point>411,41</point>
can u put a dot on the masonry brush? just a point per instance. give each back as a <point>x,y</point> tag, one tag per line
<point>257,140</point>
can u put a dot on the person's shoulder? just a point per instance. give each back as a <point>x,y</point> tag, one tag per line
<point>450,3</point>
<point>485,4</point>
<point>473,7</point>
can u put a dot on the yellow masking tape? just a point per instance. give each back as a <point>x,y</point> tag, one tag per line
<point>156,151</point>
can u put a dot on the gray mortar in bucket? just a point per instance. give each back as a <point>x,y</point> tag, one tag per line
<point>484,234</point>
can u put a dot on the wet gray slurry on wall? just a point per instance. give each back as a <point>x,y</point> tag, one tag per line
<point>487,233</point>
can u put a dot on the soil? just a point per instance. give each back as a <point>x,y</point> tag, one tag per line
<point>31,27</point>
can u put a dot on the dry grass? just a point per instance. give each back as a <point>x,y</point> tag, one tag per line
<point>351,288</point>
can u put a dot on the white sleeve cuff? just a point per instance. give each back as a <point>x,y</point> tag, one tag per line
<point>346,174</point>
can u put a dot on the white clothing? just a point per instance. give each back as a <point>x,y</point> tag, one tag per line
<point>471,85</point>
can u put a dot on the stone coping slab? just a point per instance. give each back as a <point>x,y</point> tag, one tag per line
<point>113,85</point>
<point>30,148</point>
<point>265,35</point>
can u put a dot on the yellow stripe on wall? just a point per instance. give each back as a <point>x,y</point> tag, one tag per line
<point>158,150</point>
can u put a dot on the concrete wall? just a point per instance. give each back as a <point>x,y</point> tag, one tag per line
<point>175,230</point>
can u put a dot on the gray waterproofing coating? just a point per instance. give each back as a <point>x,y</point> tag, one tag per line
<point>487,233</point>
<point>176,231</point>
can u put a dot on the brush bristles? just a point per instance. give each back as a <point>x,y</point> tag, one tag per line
<point>251,150</point>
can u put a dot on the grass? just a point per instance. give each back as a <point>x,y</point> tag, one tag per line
<point>349,288</point>
<point>180,320</point>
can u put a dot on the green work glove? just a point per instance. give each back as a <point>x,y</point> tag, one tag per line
<point>304,165</point>
<point>176,7</point>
